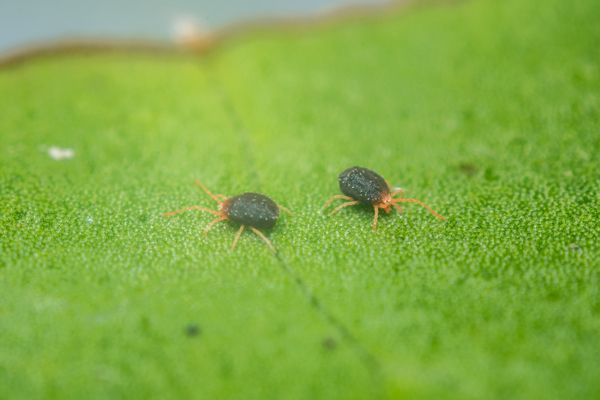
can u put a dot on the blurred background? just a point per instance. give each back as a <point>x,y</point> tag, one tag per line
<point>31,22</point>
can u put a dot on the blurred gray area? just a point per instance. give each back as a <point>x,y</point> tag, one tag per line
<point>27,22</point>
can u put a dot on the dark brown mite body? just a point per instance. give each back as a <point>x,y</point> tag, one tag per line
<point>253,210</point>
<point>363,186</point>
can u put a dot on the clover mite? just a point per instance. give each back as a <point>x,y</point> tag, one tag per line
<point>363,186</point>
<point>253,210</point>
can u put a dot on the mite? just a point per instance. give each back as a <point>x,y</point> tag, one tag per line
<point>363,186</point>
<point>252,210</point>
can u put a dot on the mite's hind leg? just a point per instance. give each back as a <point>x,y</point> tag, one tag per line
<point>222,196</point>
<point>212,223</point>
<point>418,202</point>
<point>259,233</point>
<point>195,208</point>
<point>350,203</point>
<point>375,220</point>
<point>337,196</point>
<point>215,198</point>
<point>237,236</point>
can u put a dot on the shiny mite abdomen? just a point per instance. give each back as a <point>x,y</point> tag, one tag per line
<point>364,185</point>
<point>252,209</point>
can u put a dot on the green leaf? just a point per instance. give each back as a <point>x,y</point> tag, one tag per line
<point>486,111</point>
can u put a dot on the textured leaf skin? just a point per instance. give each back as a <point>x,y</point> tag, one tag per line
<point>486,110</point>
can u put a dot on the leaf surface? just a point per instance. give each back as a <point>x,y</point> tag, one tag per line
<point>485,111</point>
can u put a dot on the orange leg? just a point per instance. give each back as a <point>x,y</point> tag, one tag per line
<point>418,202</point>
<point>237,236</point>
<point>350,203</point>
<point>215,198</point>
<point>398,191</point>
<point>398,207</point>
<point>375,221</point>
<point>221,196</point>
<point>285,209</point>
<point>338,196</point>
<point>259,233</point>
<point>212,223</point>
<point>195,208</point>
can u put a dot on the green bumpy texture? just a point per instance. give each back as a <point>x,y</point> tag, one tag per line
<point>487,111</point>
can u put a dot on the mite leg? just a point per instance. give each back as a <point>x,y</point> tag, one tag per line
<point>418,202</point>
<point>215,198</point>
<point>259,233</point>
<point>398,207</point>
<point>221,196</point>
<point>338,196</point>
<point>398,191</point>
<point>237,236</point>
<point>212,223</point>
<point>195,208</point>
<point>375,221</point>
<point>285,209</point>
<point>350,203</point>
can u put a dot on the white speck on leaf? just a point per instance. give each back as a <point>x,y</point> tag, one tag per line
<point>58,154</point>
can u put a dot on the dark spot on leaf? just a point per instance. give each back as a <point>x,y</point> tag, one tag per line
<point>434,342</point>
<point>329,343</point>
<point>517,143</point>
<point>226,367</point>
<point>553,296</point>
<point>105,278</point>
<point>467,169</point>
<point>468,115</point>
<point>145,325</point>
<point>192,330</point>
<point>18,215</point>
<point>489,175</point>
